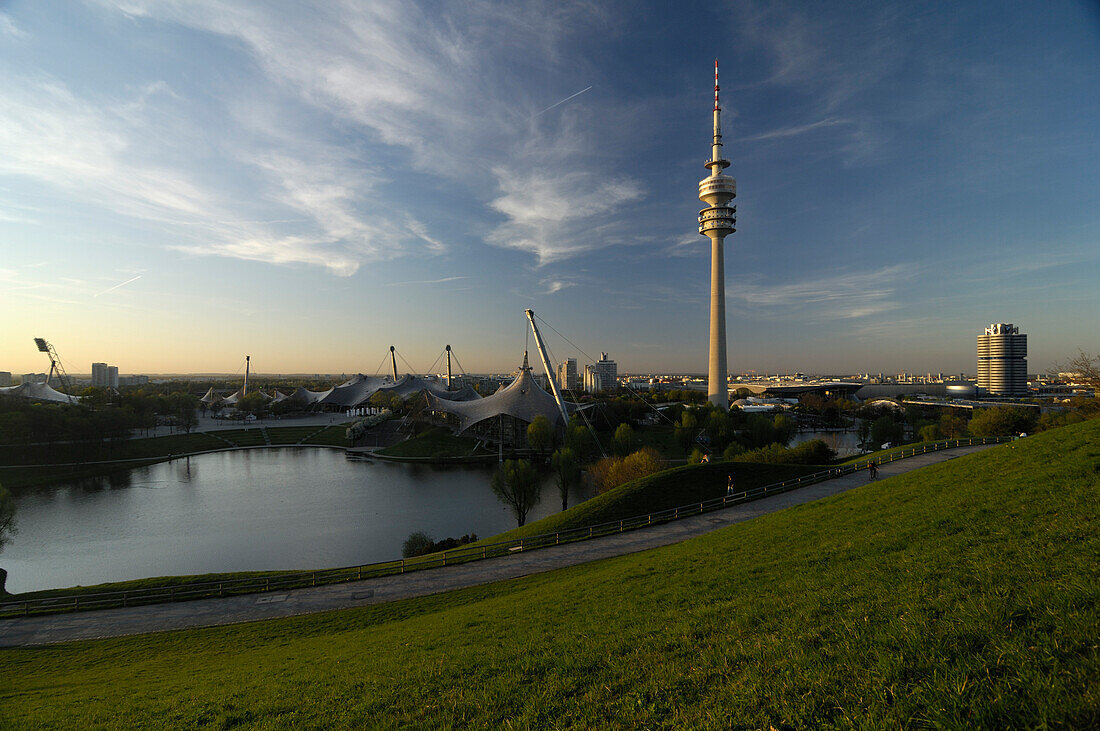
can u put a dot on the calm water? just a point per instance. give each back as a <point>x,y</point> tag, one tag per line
<point>844,443</point>
<point>242,511</point>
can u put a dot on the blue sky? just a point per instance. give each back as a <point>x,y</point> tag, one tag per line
<point>182,183</point>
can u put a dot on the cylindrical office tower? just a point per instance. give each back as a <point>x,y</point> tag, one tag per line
<point>716,222</point>
<point>1002,360</point>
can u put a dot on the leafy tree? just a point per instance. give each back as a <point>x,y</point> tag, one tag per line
<point>568,467</point>
<point>516,484</point>
<point>1002,421</point>
<point>610,472</point>
<point>418,543</point>
<point>785,428</point>
<point>94,397</point>
<point>930,433</point>
<point>686,430</point>
<point>7,527</point>
<point>624,440</point>
<point>864,433</point>
<point>952,426</point>
<point>696,456</point>
<point>885,429</point>
<point>732,451</point>
<point>539,433</point>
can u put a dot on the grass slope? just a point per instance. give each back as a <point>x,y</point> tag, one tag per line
<point>434,443</point>
<point>963,595</point>
<point>664,490</point>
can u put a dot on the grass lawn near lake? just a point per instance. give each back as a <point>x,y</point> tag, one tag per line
<point>961,595</point>
<point>437,443</point>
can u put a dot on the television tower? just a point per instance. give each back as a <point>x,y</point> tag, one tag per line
<point>716,222</point>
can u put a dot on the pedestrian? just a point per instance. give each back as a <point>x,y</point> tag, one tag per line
<point>872,471</point>
<point>729,486</point>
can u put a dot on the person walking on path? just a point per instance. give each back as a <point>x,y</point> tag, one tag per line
<point>872,471</point>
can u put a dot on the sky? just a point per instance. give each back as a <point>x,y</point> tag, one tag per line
<point>184,183</point>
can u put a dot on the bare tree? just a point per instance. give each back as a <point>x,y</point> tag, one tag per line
<point>1086,369</point>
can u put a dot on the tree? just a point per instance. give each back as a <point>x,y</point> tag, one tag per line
<point>1085,368</point>
<point>624,440</point>
<point>610,472</point>
<point>567,466</point>
<point>952,426</point>
<point>686,430</point>
<point>885,429</point>
<point>539,434</point>
<point>187,418</point>
<point>785,428</point>
<point>417,544</point>
<point>930,433</point>
<point>1002,421</point>
<point>516,484</point>
<point>7,527</point>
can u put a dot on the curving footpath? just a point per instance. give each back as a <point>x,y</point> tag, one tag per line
<point>42,630</point>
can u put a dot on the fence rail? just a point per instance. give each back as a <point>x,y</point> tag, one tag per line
<point>464,554</point>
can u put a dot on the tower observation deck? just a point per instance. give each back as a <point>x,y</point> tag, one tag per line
<point>716,222</point>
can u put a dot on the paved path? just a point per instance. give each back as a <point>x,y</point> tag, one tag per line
<point>209,612</point>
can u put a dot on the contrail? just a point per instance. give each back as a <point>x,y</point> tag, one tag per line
<point>563,101</point>
<point>111,289</point>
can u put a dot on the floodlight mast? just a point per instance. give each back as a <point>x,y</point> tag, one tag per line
<point>546,367</point>
<point>55,366</point>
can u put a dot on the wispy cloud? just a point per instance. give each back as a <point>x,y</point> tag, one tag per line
<point>793,131</point>
<point>427,281</point>
<point>846,295</point>
<point>443,87</point>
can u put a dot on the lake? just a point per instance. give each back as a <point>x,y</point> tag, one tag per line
<point>260,509</point>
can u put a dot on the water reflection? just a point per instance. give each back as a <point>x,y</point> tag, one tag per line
<point>250,510</point>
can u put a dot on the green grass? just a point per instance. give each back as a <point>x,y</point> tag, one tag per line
<point>149,450</point>
<point>152,449</point>
<point>434,443</point>
<point>671,488</point>
<point>333,436</point>
<point>962,595</point>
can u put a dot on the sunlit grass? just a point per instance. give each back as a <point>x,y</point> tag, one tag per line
<point>962,595</point>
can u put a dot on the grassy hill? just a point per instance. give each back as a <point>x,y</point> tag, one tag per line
<point>962,595</point>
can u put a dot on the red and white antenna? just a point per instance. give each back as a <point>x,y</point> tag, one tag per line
<point>716,84</point>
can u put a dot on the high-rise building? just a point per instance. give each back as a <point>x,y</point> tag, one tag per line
<point>104,376</point>
<point>716,222</point>
<point>567,374</point>
<point>1002,360</point>
<point>99,375</point>
<point>601,376</point>
<point>5,379</point>
<point>33,378</point>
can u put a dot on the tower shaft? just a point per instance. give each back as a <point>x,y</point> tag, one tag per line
<point>716,222</point>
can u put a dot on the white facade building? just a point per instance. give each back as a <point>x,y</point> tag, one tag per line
<point>602,376</point>
<point>1002,360</point>
<point>567,375</point>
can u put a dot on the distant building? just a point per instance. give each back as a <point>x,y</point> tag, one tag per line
<point>99,375</point>
<point>5,378</point>
<point>1002,361</point>
<point>33,378</point>
<point>567,375</point>
<point>133,380</point>
<point>104,376</point>
<point>602,376</point>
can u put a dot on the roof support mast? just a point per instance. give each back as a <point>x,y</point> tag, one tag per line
<point>546,366</point>
<point>393,360</point>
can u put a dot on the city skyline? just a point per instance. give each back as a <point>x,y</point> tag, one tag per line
<point>185,183</point>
